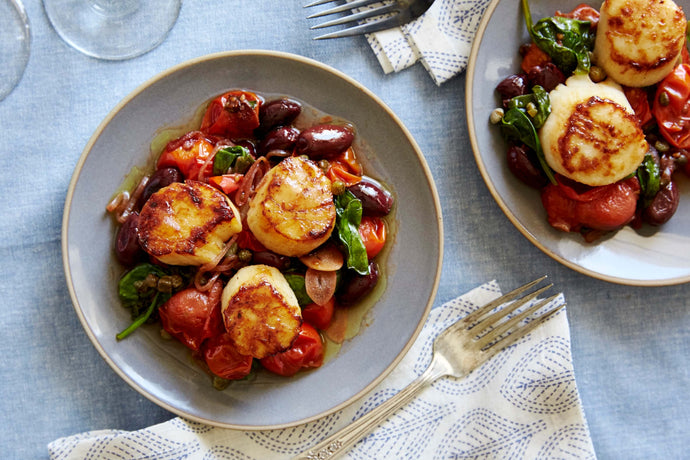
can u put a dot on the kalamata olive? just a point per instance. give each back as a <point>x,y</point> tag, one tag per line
<point>356,286</point>
<point>376,200</point>
<point>281,138</point>
<point>159,179</point>
<point>278,112</point>
<point>663,205</point>
<point>667,166</point>
<point>523,164</point>
<point>272,259</point>
<point>127,248</point>
<point>514,85</point>
<point>247,144</point>
<point>324,141</point>
<point>547,76</point>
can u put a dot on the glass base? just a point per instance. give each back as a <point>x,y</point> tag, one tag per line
<point>15,43</point>
<point>113,29</point>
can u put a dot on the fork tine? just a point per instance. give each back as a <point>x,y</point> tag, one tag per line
<point>367,28</point>
<point>521,332</point>
<point>475,315</point>
<point>507,325</point>
<point>357,16</point>
<point>341,8</point>
<point>317,2</point>
<point>499,314</point>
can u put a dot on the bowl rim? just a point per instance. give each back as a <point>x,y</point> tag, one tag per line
<point>190,63</point>
<point>469,114</point>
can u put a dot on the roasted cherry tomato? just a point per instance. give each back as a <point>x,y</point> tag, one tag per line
<point>227,183</point>
<point>223,360</point>
<point>190,154</point>
<point>373,233</point>
<point>306,352</point>
<point>582,12</point>
<point>319,316</point>
<point>234,115</point>
<point>247,240</point>
<point>671,106</point>
<point>639,101</point>
<point>345,168</point>
<point>607,207</point>
<point>532,56</point>
<point>192,316</point>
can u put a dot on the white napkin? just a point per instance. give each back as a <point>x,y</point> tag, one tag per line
<point>441,39</point>
<point>521,404</point>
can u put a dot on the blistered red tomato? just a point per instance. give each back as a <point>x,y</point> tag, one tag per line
<point>671,106</point>
<point>190,154</point>
<point>192,316</point>
<point>306,352</point>
<point>223,360</point>
<point>319,316</point>
<point>373,233</point>
<point>583,12</point>
<point>234,115</point>
<point>608,207</point>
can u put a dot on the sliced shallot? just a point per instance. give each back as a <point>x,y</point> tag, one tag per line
<point>325,258</point>
<point>320,285</point>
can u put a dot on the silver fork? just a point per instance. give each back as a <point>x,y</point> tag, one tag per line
<point>392,13</point>
<point>457,351</point>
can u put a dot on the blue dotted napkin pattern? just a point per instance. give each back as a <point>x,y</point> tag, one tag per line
<point>522,404</point>
<point>441,39</point>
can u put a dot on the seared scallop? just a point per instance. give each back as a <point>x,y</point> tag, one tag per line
<point>592,135</point>
<point>260,311</point>
<point>639,42</point>
<point>292,211</point>
<point>187,223</point>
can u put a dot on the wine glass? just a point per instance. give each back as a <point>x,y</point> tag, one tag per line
<point>112,29</point>
<point>15,42</point>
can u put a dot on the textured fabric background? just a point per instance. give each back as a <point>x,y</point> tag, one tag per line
<point>629,345</point>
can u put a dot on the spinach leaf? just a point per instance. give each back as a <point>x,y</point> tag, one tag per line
<point>128,290</point>
<point>142,302</point>
<point>296,282</point>
<point>236,157</point>
<point>349,216</point>
<point>541,102</point>
<point>567,41</point>
<point>517,126</point>
<point>649,175</point>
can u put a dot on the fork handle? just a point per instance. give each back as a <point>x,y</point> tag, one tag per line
<point>339,442</point>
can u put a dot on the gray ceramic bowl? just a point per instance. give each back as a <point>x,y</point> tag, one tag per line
<point>650,257</point>
<point>162,370</point>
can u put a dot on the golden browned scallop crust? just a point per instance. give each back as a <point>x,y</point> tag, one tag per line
<point>592,135</point>
<point>260,311</point>
<point>639,42</point>
<point>292,211</point>
<point>187,223</point>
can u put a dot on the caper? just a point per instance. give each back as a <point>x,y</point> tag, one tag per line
<point>664,99</point>
<point>169,283</point>
<point>661,146</point>
<point>597,74</point>
<point>244,255</point>
<point>338,187</point>
<point>165,284</point>
<point>324,165</point>
<point>220,383</point>
<point>496,116</point>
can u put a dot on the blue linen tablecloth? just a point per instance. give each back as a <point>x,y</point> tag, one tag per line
<point>629,344</point>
